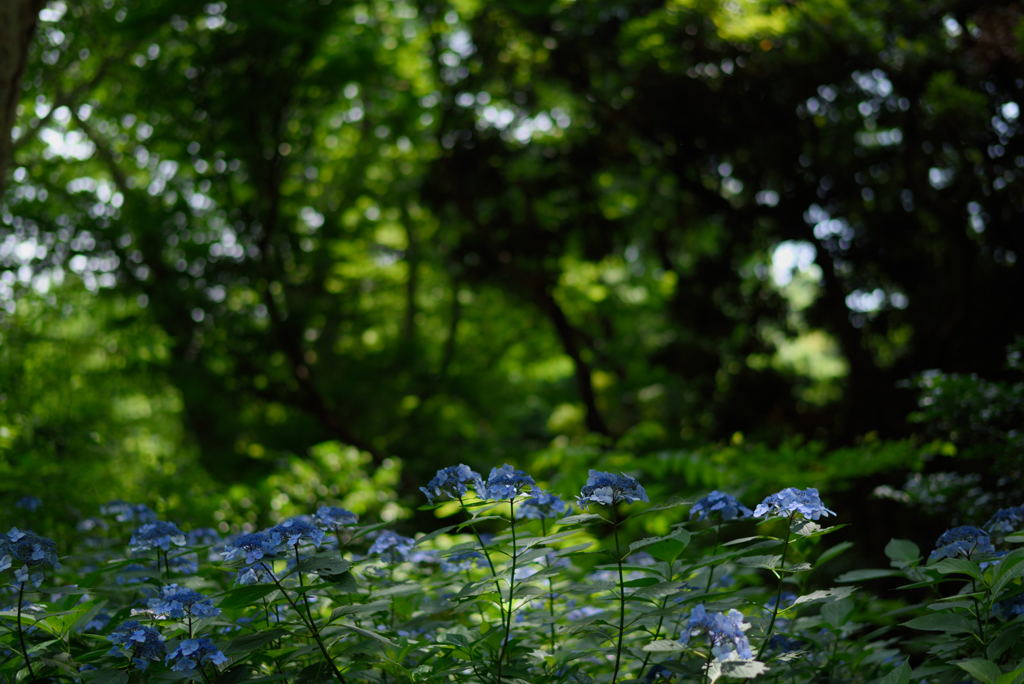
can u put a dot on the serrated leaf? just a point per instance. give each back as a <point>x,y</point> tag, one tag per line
<point>743,669</point>
<point>579,519</point>
<point>833,594</point>
<point>962,566</point>
<point>324,565</point>
<point>837,613</point>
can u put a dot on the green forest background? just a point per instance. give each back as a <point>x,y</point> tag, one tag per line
<point>259,255</point>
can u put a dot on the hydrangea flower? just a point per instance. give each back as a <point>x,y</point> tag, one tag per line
<point>451,482</point>
<point>127,512</point>
<point>721,506</point>
<point>392,547</point>
<point>140,643</point>
<point>253,546</point>
<point>156,535</point>
<point>608,489</point>
<point>724,632</point>
<point>133,573</point>
<point>193,653</point>
<point>203,536</point>
<point>541,504</point>
<point>30,553</point>
<point>964,540</point>
<point>1009,608</point>
<point>333,517</point>
<point>254,574</point>
<point>295,530</point>
<point>461,561</point>
<point>505,483</point>
<point>29,503</point>
<point>1006,520</point>
<point>98,623</point>
<point>180,602</point>
<point>185,564</point>
<point>790,501</point>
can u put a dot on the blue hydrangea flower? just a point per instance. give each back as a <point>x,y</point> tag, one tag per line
<point>451,483</point>
<point>185,564</point>
<point>333,517</point>
<point>964,540</point>
<point>128,512</point>
<point>29,554</point>
<point>29,503</point>
<point>296,530</point>
<point>191,653</point>
<point>392,547</point>
<point>541,504</point>
<point>1006,521</point>
<point>608,489</point>
<point>723,630</point>
<point>156,535</point>
<point>461,561</point>
<point>505,483</point>
<point>203,536</point>
<point>254,574</point>
<point>253,546</point>
<point>180,602</point>
<point>720,506</point>
<point>98,623</point>
<point>1009,608</point>
<point>791,501</point>
<point>133,573</point>
<point>140,643</point>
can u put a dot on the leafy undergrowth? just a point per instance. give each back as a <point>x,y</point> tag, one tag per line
<point>517,588</point>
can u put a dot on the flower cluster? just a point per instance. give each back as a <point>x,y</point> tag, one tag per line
<point>541,504</point>
<point>725,632</point>
<point>451,483</point>
<point>140,643</point>
<point>964,540</point>
<point>180,602</point>
<point>792,501</point>
<point>296,530</point>
<point>392,547</point>
<point>608,489</point>
<point>194,653</point>
<point>254,546</point>
<point>719,505</point>
<point>128,512</point>
<point>156,535</point>
<point>202,536</point>
<point>1006,521</point>
<point>333,518</point>
<point>505,483</point>
<point>29,503</point>
<point>29,551</point>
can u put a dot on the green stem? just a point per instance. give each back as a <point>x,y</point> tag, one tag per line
<point>551,588</point>
<point>778,593</point>
<point>311,625</point>
<point>21,633</point>
<point>977,616</point>
<point>622,600</point>
<point>657,630</point>
<point>511,588</point>
<point>711,569</point>
<point>490,563</point>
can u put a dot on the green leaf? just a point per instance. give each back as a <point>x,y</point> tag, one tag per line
<point>664,646</point>
<point>899,675</point>
<point>244,596</point>
<point>941,622</point>
<point>902,552</point>
<point>743,669</point>
<point>248,643</point>
<point>1009,569</point>
<point>867,574</point>
<point>833,552</point>
<point>579,519</point>
<point>954,566</point>
<point>325,566</point>
<point>837,613</point>
<point>108,676</point>
<point>1014,677</point>
<point>979,668</point>
<point>834,594</point>
<point>640,582</point>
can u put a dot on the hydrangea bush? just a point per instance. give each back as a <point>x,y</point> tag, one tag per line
<point>516,587</point>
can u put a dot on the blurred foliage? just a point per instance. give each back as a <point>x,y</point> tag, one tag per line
<point>318,250</point>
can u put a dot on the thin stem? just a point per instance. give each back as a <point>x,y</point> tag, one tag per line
<point>711,569</point>
<point>490,563</point>
<point>551,588</point>
<point>977,616</point>
<point>657,630</point>
<point>778,593</point>
<point>311,625</point>
<point>190,624</point>
<point>21,633</point>
<point>622,600</point>
<point>511,588</point>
